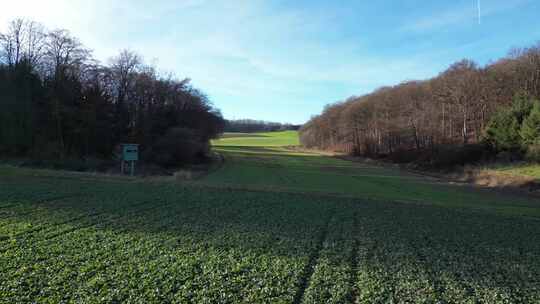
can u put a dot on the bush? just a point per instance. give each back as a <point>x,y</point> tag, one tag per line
<point>177,147</point>
<point>504,157</point>
<point>451,156</point>
<point>445,157</point>
<point>533,153</point>
<point>403,156</point>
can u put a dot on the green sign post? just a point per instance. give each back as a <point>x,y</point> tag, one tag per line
<point>130,154</point>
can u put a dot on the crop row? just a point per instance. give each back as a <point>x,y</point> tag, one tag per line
<point>150,243</point>
<point>435,255</point>
<point>201,248</point>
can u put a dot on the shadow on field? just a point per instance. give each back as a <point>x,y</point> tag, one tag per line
<point>402,250</point>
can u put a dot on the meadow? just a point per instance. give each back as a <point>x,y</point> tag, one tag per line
<point>272,225</point>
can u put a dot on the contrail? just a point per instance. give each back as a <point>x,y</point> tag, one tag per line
<point>479,12</point>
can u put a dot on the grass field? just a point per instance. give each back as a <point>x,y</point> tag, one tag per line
<point>526,170</point>
<point>269,139</point>
<point>270,226</point>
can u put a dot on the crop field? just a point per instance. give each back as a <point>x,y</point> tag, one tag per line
<point>271,225</point>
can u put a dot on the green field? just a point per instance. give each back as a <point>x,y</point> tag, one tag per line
<point>277,168</point>
<point>268,139</point>
<point>271,225</point>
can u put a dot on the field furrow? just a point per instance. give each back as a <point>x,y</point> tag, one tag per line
<point>309,269</point>
<point>331,278</point>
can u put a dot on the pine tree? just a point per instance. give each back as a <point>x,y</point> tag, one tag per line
<point>521,106</point>
<point>503,131</point>
<point>530,129</point>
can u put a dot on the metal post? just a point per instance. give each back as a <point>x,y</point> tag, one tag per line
<point>122,167</point>
<point>132,167</point>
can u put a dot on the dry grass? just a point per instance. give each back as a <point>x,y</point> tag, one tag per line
<point>489,177</point>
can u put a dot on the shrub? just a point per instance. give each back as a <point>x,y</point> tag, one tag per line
<point>403,156</point>
<point>533,153</point>
<point>177,147</point>
<point>452,156</point>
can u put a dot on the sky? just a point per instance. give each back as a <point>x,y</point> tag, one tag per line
<point>285,60</point>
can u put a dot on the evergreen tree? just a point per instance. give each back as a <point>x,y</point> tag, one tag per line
<point>530,129</point>
<point>507,131</point>
<point>521,107</point>
<point>503,131</point>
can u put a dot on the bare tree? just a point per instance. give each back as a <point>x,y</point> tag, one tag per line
<point>123,68</point>
<point>64,52</point>
<point>65,57</point>
<point>35,42</point>
<point>56,100</point>
<point>24,40</point>
<point>12,42</point>
<point>450,109</point>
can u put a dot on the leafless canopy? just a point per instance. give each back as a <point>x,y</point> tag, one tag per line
<point>452,108</point>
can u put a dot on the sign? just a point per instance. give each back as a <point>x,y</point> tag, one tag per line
<point>130,152</point>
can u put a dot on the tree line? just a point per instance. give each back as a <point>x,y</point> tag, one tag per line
<point>452,109</point>
<point>57,101</point>
<point>251,125</point>
<point>516,129</point>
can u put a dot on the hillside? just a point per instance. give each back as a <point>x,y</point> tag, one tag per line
<point>467,114</point>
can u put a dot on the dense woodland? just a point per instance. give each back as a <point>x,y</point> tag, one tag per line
<point>250,126</point>
<point>57,101</point>
<point>453,109</point>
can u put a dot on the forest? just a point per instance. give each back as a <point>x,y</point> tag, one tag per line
<point>58,102</point>
<point>251,126</point>
<point>450,119</point>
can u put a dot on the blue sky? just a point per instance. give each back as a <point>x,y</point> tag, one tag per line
<point>284,60</point>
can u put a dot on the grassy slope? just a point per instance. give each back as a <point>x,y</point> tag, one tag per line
<point>260,163</point>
